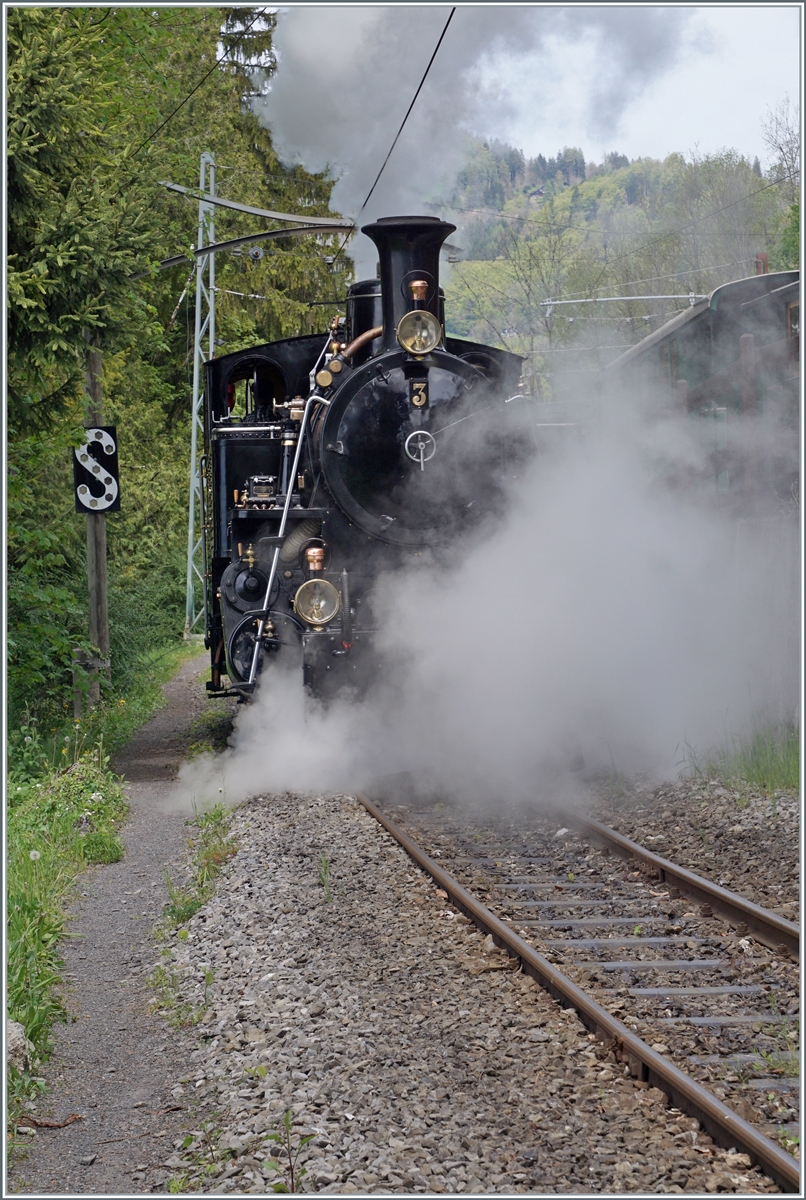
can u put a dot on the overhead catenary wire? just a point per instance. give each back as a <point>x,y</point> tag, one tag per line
<point>690,224</point>
<point>739,262</point>
<point>340,250</point>
<point>408,112</point>
<point>181,298</point>
<point>658,238</point>
<point>215,66</point>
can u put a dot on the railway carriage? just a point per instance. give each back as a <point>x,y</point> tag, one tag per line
<point>732,363</point>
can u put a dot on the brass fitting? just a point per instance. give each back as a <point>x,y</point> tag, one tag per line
<point>419,290</point>
<point>314,558</point>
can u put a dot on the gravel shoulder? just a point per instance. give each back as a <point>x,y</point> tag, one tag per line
<point>115,1063</point>
<point>744,840</point>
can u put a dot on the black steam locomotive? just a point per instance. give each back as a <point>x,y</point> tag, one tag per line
<point>332,459</point>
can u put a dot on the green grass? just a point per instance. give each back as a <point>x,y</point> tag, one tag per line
<point>211,847</point>
<point>210,732</point>
<point>64,812</point>
<point>768,758</point>
<point>56,826</point>
<point>34,750</point>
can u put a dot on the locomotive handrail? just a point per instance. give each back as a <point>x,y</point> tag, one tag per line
<point>314,398</point>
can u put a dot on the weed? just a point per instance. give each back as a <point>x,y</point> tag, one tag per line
<point>779,1062</point>
<point>790,1141</point>
<point>21,1087</point>
<point>64,811</point>
<point>616,785</point>
<point>784,1058</point>
<point>290,1148</point>
<point>200,1155</point>
<point>211,848</point>
<point>170,998</point>
<point>324,877</point>
<point>210,733</point>
<point>766,756</point>
<point>637,931</point>
<point>183,903</point>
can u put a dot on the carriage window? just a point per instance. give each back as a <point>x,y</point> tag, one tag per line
<point>793,319</point>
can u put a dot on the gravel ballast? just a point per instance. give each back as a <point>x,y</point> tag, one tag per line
<point>346,991</point>
<point>741,838</point>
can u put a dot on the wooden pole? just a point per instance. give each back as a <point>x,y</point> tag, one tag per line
<point>96,536</point>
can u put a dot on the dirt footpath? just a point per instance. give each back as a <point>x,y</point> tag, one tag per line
<point>115,1062</point>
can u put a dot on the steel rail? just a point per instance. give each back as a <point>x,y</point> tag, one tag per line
<point>725,1126</point>
<point>767,927</point>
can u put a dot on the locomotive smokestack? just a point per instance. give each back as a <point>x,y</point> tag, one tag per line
<point>408,253</point>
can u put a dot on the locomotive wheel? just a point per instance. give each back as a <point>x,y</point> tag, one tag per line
<point>241,646</point>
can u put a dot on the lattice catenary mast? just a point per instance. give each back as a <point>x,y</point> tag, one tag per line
<point>204,327</point>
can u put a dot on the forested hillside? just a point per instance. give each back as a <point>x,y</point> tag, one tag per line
<point>560,228</point>
<point>103,103</point>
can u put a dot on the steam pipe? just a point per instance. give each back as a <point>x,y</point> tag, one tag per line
<point>368,335</point>
<point>312,399</point>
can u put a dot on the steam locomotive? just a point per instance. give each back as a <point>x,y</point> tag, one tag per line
<point>330,460</point>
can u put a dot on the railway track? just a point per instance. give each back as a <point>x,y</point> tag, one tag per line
<point>695,988</point>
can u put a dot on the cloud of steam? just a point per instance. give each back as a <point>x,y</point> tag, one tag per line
<point>347,75</point>
<point>613,614</point>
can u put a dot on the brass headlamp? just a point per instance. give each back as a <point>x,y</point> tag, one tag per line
<point>419,332</point>
<point>317,601</point>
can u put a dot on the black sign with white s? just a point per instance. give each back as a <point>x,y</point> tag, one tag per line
<point>95,471</point>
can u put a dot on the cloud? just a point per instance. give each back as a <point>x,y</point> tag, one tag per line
<point>346,76</point>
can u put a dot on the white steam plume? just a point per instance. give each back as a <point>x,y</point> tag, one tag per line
<point>613,614</point>
<point>346,76</point>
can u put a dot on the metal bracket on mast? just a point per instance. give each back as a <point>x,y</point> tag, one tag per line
<point>204,327</point>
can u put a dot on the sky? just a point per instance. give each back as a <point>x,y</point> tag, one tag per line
<point>733,64</point>
<point>642,80</point>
